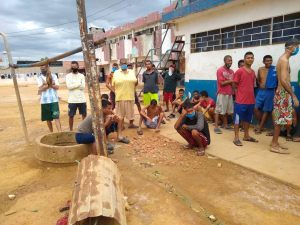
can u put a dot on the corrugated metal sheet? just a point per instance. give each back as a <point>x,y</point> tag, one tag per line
<point>97,192</point>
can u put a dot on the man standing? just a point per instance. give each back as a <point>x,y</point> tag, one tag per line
<point>283,107</point>
<point>48,85</point>
<point>108,83</point>
<point>75,82</point>
<point>192,126</point>
<point>123,84</point>
<point>136,97</point>
<point>170,82</point>
<point>224,105</point>
<point>150,79</point>
<point>267,83</point>
<point>244,79</point>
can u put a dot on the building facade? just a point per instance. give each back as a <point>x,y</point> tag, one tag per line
<point>134,41</point>
<point>215,28</point>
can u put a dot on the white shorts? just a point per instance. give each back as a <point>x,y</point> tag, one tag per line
<point>125,109</point>
<point>224,104</point>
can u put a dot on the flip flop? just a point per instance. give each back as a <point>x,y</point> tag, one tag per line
<point>124,140</point>
<point>296,139</point>
<point>140,132</point>
<point>217,130</point>
<point>228,128</point>
<point>238,142</point>
<point>132,126</point>
<point>250,139</point>
<point>279,150</point>
<point>200,152</point>
<point>289,138</point>
<point>269,134</point>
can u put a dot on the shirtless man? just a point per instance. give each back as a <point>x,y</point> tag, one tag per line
<point>283,106</point>
<point>267,83</point>
<point>152,115</point>
<point>109,85</point>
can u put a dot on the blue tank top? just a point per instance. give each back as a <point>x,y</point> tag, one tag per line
<point>271,81</point>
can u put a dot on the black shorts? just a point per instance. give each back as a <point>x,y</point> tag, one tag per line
<point>73,108</point>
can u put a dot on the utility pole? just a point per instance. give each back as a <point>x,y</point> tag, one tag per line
<point>13,74</point>
<point>92,79</point>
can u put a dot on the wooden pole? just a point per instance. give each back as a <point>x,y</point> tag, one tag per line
<point>92,79</point>
<point>13,73</point>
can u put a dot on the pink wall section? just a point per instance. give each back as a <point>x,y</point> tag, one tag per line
<point>120,50</point>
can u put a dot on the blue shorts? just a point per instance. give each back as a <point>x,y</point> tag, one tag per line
<point>243,112</point>
<point>84,138</point>
<point>264,100</point>
<point>112,128</point>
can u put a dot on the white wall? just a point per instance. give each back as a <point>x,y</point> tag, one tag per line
<point>167,42</point>
<point>128,47</point>
<point>100,55</point>
<point>204,65</point>
<point>113,51</point>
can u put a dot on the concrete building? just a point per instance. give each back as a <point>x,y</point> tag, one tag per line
<point>134,41</point>
<point>215,28</point>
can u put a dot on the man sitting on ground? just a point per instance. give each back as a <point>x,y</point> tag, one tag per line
<point>85,129</point>
<point>105,97</point>
<point>193,127</point>
<point>152,116</point>
<point>177,103</point>
<point>196,98</point>
<point>207,106</point>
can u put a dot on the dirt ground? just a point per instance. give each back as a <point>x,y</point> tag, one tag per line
<point>165,183</point>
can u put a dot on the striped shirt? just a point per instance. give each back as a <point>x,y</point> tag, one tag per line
<point>50,95</point>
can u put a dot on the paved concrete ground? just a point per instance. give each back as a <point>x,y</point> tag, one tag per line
<point>255,156</point>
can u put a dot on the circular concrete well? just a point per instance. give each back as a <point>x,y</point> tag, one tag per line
<point>60,148</point>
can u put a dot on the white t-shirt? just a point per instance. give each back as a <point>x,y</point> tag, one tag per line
<point>50,95</point>
<point>76,83</point>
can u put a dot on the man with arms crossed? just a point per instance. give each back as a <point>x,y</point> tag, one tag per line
<point>283,107</point>
<point>75,83</point>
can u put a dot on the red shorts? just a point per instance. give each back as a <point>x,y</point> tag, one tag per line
<point>168,96</point>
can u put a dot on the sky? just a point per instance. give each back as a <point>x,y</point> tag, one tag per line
<point>37,28</point>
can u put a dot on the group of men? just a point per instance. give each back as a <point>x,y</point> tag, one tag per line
<point>235,95</point>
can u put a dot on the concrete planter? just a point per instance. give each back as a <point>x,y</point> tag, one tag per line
<point>60,148</point>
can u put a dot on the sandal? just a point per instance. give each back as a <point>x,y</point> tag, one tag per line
<point>289,138</point>
<point>279,150</point>
<point>200,152</point>
<point>296,139</point>
<point>140,132</point>
<point>257,131</point>
<point>132,126</point>
<point>250,139</point>
<point>217,130</point>
<point>124,140</point>
<point>238,142</point>
<point>269,134</point>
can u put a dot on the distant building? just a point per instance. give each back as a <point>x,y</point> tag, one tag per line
<point>215,28</point>
<point>135,41</point>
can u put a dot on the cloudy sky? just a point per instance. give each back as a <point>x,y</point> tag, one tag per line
<point>39,28</point>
